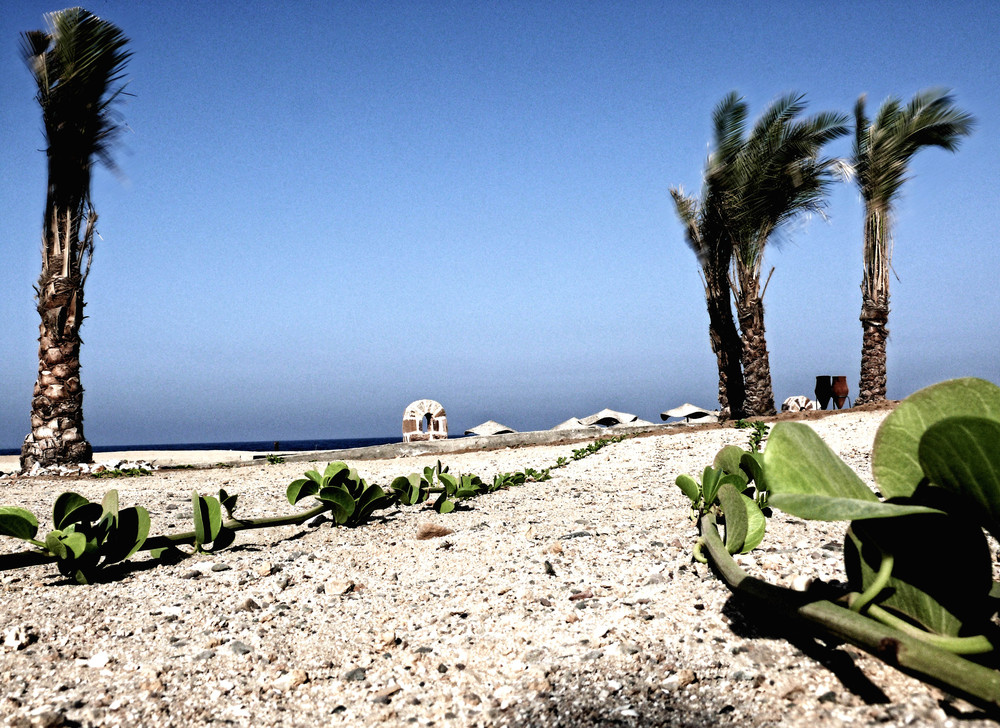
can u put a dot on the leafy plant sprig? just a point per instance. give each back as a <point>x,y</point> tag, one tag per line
<point>89,536</point>
<point>920,589</point>
<point>758,434</point>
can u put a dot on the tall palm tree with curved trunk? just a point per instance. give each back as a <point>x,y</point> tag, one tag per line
<point>708,234</point>
<point>778,176</point>
<point>755,184</point>
<point>78,65</point>
<point>883,148</point>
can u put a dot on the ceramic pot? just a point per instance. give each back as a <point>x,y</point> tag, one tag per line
<point>839,391</point>
<point>824,390</point>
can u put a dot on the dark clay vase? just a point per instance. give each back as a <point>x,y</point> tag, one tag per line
<point>824,390</point>
<point>840,391</point>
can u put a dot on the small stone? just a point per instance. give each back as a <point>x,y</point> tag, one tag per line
<point>101,659</point>
<point>680,679</point>
<point>265,569</point>
<point>585,594</point>
<point>801,583</point>
<point>358,674</point>
<point>388,692</point>
<point>248,605</point>
<point>571,617</point>
<point>191,574</point>
<point>592,655</point>
<point>240,648</point>
<point>46,716</point>
<point>221,567</point>
<point>203,655</point>
<point>338,587</point>
<point>442,668</point>
<point>545,602</point>
<point>427,531</point>
<point>549,570</point>
<point>19,637</point>
<point>575,534</point>
<point>554,548</point>
<point>290,680</point>
<point>656,579</point>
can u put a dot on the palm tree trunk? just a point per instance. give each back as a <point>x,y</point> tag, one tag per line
<point>874,307</point>
<point>56,435</point>
<point>725,340</point>
<point>875,332</point>
<point>756,361</point>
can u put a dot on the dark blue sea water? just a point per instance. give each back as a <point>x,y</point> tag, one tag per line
<point>254,445</point>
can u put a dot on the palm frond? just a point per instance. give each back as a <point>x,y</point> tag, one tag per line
<point>78,66</point>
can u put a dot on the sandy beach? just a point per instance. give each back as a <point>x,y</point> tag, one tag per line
<point>563,603</point>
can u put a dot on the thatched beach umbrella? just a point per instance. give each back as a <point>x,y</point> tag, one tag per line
<point>490,427</point>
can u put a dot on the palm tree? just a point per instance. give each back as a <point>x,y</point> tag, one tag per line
<point>778,176</point>
<point>77,65</point>
<point>754,185</point>
<point>708,235</point>
<point>882,152</point>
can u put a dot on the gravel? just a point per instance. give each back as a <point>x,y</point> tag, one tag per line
<point>565,603</point>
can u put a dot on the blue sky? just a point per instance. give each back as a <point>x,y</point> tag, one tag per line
<point>328,210</point>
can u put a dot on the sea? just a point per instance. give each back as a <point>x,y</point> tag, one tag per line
<point>251,445</point>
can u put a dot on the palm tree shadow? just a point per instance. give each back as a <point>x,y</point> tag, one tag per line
<point>750,621</point>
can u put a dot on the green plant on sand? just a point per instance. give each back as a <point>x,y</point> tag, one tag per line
<point>920,576</point>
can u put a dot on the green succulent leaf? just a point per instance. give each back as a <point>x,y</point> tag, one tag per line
<point>443,505</point>
<point>689,486</point>
<point>335,472</point>
<point>373,499</point>
<point>941,574</point>
<point>341,502</point>
<point>827,508</point>
<point>710,482</point>
<point>207,518</point>
<point>756,525</point>
<point>301,488</point>
<point>807,479</point>
<point>228,502</point>
<point>895,454</point>
<point>129,534</point>
<point>752,464</point>
<point>315,477</point>
<point>962,455</point>
<point>109,506</point>
<point>736,517</point>
<point>17,522</point>
<point>728,459</point>
<point>66,544</point>
<point>74,508</point>
<point>449,482</point>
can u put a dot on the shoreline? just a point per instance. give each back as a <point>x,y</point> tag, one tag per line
<point>449,446</point>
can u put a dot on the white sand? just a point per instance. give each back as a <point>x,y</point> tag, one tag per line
<point>485,626</point>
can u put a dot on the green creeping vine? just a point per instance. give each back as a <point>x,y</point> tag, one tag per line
<point>758,434</point>
<point>733,487</point>
<point>414,488</point>
<point>87,536</point>
<point>920,590</point>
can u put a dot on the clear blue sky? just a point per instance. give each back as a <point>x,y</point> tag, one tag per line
<point>331,209</point>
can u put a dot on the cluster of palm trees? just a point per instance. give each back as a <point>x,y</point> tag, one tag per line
<point>755,183</point>
<point>760,180</point>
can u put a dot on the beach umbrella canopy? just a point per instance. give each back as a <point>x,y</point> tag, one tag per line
<point>490,427</point>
